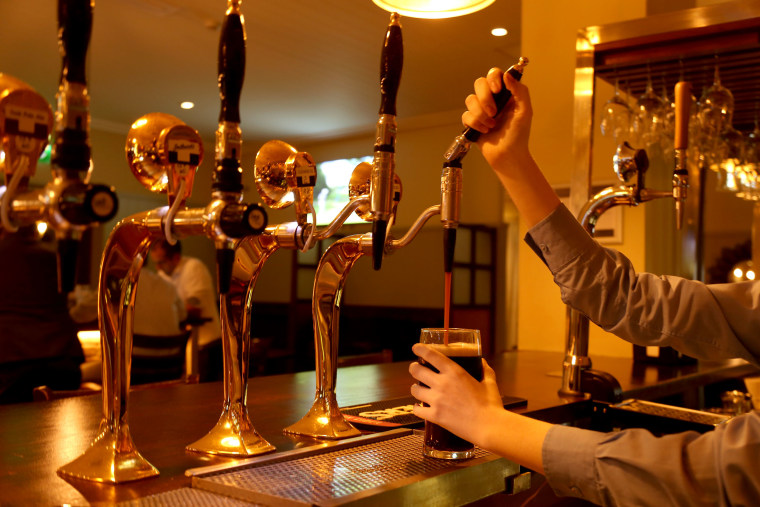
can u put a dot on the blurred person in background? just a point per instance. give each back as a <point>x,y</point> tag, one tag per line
<point>195,286</point>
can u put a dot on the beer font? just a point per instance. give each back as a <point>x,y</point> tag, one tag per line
<point>630,167</point>
<point>69,203</point>
<point>164,154</point>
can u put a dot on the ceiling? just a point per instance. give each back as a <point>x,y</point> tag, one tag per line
<point>312,67</point>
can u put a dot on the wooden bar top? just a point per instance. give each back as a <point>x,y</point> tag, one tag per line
<point>37,438</point>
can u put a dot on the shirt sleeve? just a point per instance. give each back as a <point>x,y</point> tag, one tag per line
<point>707,321</point>
<point>634,467</point>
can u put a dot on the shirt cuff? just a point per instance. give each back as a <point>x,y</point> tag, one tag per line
<point>559,239</point>
<point>569,461</point>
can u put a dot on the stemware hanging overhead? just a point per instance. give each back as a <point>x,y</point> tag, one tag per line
<point>649,116</point>
<point>616,117</point>
<point>751,166</point>
<point>716,106</point>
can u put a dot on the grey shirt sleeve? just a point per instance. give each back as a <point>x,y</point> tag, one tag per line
<point>633,467</point>
<point>707,321</point>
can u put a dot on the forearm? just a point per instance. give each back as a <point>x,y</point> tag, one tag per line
<point>531,193</point>
<point>516,437</point>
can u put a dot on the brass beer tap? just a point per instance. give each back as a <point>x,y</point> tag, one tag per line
<point>164,155</point>
<point>630,166</point>
<point>324,419</point>
<point>69,203</point>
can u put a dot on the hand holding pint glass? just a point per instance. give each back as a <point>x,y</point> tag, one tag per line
<point>463,347</point>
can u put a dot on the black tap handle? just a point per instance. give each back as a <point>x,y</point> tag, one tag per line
<point>391,63</point>
<point>74,29</point>
<point>501,97</point>
<point>231,65</point>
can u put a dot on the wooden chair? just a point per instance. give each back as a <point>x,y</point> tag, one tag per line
<point>158,358</point>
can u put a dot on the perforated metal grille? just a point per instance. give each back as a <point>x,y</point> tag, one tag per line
<point>185,496</point>
<point>339,473</point>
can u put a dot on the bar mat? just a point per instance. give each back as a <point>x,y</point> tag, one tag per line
<point>186,496</point>
<point>344,475</point>
<point>397,412</point>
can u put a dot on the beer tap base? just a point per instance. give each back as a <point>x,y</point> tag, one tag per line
<point>233,435</point>
<point>111,458</point>
<point>324,420</point>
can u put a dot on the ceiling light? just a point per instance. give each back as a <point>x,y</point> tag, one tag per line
<point>499,32</point>
<point>433,9</point>
<point>187,105</point>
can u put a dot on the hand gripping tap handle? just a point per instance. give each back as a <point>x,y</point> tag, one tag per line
<point>469,135</point>
<point>381,183</point>
<point>681,173</point>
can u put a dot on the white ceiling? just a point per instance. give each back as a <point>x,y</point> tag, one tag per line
<point>312,68</point>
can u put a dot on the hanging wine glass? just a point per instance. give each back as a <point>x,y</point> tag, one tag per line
<point>716,107</point>
<point>616,117</point>
<point>649,116</point>
<point>730,158</point>
<point>752,163</point>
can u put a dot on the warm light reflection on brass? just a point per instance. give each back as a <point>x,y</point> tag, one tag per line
<point>162,151</point>
<point>324,419</point>
<point>285,176</point>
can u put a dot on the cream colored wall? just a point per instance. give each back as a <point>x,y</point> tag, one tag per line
<point>549,33</point>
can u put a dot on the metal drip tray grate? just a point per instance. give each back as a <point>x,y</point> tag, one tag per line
<point>388,471</point>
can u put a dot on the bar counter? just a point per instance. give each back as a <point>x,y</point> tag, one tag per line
<point>37,438</point>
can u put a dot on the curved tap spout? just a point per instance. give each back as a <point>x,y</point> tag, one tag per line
<point>234,434</point>
<point>112,457</point>
<point>324,419</point>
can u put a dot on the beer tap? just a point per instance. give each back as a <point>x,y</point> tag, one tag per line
<point>630,165</point>
<point>383,165</point>
<point>324,419</point>
<point>69,203</point>
<point>164,155</point>
<point>451,176</point>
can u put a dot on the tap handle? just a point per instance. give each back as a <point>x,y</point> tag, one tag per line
<point>231,63</point>
<point>681,172</point>
<point>501,97</point>
<point>71,151</point>
<point>74,29</point>
<point>391,63</point>
<point>383,166</point>
<point>228,175</point>
<point>683,109</point>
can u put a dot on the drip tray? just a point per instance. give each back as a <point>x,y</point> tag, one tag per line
<point>382,469</point>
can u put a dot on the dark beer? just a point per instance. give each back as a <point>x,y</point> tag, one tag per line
<point>440,442</point>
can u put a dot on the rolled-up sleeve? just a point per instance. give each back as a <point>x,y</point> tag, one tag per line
<point>634,467</point>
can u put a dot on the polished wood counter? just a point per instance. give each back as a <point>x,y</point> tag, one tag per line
<point>37,438</point>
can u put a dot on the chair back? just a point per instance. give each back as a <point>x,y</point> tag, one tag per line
<point>158,358</point>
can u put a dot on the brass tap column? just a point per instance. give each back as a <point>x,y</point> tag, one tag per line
<point>69,203</point>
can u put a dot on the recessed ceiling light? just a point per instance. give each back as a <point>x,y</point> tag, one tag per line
<point>433,9</point>
<point>499,32</point>
<point>187,105</point>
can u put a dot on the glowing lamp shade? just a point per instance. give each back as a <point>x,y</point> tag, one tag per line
<point>433,9</point>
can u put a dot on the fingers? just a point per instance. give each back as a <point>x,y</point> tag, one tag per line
<point>432,356</point>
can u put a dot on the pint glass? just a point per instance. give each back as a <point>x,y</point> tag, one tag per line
<point>463,347</point>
